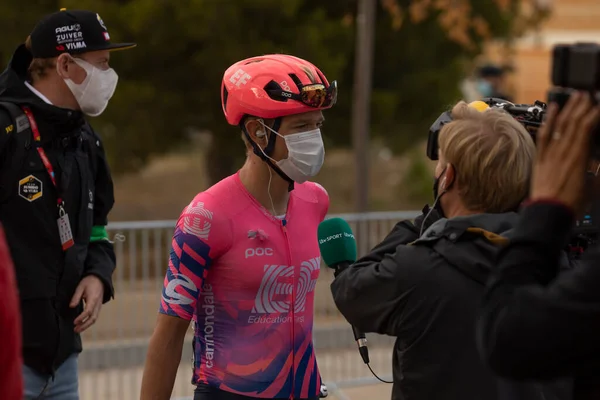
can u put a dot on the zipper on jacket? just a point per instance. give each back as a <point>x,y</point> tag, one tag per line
<point>57,350</point>
<point>293,303</point>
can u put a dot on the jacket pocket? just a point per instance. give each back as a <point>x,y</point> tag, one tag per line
<point>40,328</point>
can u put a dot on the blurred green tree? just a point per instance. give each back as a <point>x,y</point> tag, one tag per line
<point>170,84</point>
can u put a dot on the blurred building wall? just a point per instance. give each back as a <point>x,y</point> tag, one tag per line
<point>571,20</point>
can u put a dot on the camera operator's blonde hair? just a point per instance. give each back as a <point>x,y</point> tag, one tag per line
<point>492,155</point>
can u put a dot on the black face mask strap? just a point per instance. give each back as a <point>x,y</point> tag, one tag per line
<point>268,151</point>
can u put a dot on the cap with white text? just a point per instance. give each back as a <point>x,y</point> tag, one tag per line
<point>73,32</point>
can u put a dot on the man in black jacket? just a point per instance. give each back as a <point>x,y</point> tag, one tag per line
<point>56,192</point>
<point>536,323</point>
<point>426,290</point>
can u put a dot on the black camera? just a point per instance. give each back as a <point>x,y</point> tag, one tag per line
<point>576,67</point>
<point>531,116</point>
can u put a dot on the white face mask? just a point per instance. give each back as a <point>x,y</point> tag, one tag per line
<point>306,154</point>
<point>95,91</point>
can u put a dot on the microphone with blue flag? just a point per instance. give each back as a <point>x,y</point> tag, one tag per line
<point>338,249</point>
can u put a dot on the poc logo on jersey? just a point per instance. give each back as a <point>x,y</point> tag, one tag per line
<point>259,252</point>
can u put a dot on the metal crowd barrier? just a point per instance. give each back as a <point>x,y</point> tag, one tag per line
<point>111,364</point>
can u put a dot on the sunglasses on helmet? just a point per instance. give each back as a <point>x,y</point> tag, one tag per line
<point>315,95</point>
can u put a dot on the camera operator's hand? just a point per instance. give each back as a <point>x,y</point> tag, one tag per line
<point>563,144</point>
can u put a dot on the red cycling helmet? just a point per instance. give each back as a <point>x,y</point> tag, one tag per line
<point>274,86</point>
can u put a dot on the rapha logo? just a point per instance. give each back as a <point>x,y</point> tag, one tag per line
<point>274,294</point>
<point>181,297</point>
<point>197,220</point>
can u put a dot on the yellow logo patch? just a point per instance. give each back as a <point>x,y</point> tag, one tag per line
<point>30,188</point>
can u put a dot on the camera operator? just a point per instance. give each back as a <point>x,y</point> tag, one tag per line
<point>535,324</point>
<point>427,293</point>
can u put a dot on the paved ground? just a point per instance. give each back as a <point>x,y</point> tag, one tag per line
<point>379,391</point>
<point>344,367</point>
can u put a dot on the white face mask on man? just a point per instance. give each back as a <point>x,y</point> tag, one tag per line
<point>96,90</point>
<point>306,154</point>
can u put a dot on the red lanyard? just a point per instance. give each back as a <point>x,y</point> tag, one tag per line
<point>37,138</point>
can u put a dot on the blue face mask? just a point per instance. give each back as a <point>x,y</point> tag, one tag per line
<point>484,88</point>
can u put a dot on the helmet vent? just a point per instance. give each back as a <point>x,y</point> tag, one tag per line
<point>274,86</point>
<point>225,96</point>
<point>296,80</point>
<point>321,77</point>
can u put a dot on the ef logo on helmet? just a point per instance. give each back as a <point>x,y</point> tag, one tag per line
<point>239,78</point>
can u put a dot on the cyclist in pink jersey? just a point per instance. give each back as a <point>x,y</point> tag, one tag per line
<point>245,258</point>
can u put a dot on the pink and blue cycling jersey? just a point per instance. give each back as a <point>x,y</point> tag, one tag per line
<point>247,280</point>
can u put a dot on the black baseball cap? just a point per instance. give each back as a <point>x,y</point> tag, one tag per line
<point>73,32</point>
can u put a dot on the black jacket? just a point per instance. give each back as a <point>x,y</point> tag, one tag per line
<point>426,291</point>
<point>47,276</point>
<point>536,323</point>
